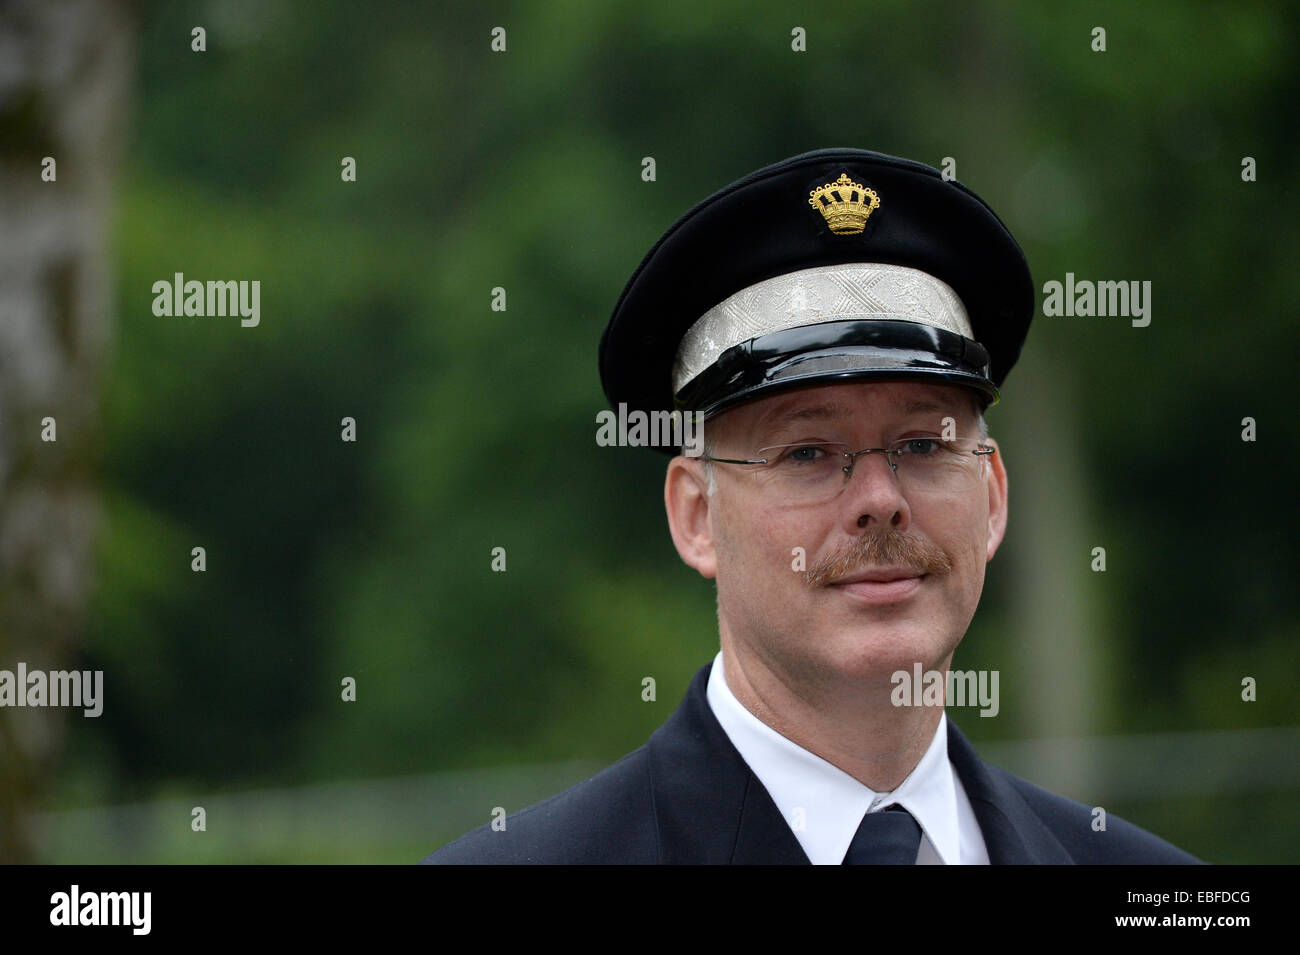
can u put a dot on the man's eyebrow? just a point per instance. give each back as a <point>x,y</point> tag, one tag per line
<point>820,413</point>
<point>825,411</point>
<point>918,405</point>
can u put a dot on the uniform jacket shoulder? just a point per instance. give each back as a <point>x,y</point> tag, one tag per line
<point>608,818</point>
<point>685,797</point>
<point>1023,822</point>
<point>1120,843</point>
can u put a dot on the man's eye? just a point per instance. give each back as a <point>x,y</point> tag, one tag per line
<point>922,446</point>
<point>804,454</point>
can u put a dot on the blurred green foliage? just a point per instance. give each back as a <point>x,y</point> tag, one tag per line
<point>522,170</point>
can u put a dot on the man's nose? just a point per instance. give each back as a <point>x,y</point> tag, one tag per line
<point>873,494</point>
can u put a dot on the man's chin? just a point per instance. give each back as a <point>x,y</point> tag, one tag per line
<point>873,655</point>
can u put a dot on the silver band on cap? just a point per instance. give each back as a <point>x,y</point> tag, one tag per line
<point>831,293</point>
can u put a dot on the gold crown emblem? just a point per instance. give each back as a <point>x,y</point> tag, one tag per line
<point>844,204</point>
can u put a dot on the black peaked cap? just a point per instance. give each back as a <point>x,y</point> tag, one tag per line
<point>762,226</point>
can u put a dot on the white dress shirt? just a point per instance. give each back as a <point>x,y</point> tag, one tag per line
<point>823,805</point>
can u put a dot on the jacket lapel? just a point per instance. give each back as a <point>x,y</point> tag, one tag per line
<point>1013,833</point>
<point>710,808</point>
<point>709,805</point>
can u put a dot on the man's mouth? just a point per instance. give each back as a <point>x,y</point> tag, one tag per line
<point>880,585</point>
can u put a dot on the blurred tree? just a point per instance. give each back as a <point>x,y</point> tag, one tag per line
<point>64,71</point>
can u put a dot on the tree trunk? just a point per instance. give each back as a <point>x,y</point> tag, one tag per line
<point>64,77</point>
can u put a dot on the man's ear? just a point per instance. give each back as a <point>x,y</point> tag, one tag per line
<point>997,487</point>
<point>686,499</point>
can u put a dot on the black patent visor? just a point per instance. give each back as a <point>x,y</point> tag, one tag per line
<point>838,351</point>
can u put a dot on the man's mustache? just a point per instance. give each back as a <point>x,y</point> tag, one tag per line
<point>879,549</point>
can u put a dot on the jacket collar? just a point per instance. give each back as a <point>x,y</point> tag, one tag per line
<point>709,805</point>
<point>710,808</point>
<point>1013,832</point>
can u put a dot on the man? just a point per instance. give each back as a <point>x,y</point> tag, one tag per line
<point>839,321</point>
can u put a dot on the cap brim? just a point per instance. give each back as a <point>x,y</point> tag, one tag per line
<point>835,352</point>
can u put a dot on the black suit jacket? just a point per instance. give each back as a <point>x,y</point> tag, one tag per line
<point>687,796</point>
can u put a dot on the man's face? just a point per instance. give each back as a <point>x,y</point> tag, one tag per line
<point>809,622</point>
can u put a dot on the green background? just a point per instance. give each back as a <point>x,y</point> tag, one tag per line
<point>476,427</point>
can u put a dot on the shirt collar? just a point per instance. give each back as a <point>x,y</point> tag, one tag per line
<point>824,805</point>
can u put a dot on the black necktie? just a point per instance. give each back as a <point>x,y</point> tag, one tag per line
<point>888,837</point>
